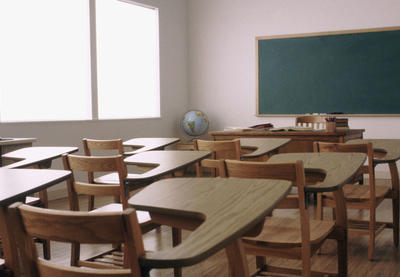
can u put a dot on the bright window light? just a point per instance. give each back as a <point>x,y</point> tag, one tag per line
<point>44,60</point>
<point>48,59</point>
<point>127,60</point>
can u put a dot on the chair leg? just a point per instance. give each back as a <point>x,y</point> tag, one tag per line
<point>46,250</point>
<point>394,175</point>
<point>177,239</point>
<point>372,223</point>
<point>342,254</point>
<point>395,207</point>
<point>320,213</point>
<point>90,202</point>
<point>261,261</point>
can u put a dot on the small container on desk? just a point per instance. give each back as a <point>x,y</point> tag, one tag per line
<point>331,127</point>
<point>330,124</point>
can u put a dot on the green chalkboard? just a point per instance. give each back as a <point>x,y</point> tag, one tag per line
<point>353,72</point>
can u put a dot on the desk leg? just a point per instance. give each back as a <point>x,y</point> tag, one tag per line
<point>394,174</point>
<point>237,259</point>
<point>341,231</point>
<point>9,245</point>
<point>177,239</point>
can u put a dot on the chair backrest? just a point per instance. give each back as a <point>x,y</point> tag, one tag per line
<point>95,144</point>
<point>356,148</point>
<point>223,149</point>
<point>291,171</point>
<point>82,227</point>
<point>94,164</point>
<point>313,121</point>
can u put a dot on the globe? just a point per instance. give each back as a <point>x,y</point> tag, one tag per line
<point>195,123</point>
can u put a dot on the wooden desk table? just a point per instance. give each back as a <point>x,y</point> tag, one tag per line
<point>254,148</point>
<point>301,141</point>
<point>219,210</point>
<point>387,151</point>
<point>261,148</point>
<point>11,144</point>
<point>15,185</point>
<point>329,172</point>
<point>40,157</point>
<point>146,144</point>
<point>160,163</point>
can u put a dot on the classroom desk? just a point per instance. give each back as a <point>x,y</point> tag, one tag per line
<point>261,148</point>
<point>15,185</point>
<point>159,163</point>
<point>387,151</point>
<point>301,141</point>
<point>218,210</point>
<point>329,172</point>
<point>11,144</point>
<point>146,144</point>
<point>254,148</point>
<point>40,157</point>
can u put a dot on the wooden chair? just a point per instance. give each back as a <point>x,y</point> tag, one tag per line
<point>82,227</point>
<point>90,146</point>
<point>313,121</point>
<point>290,238</point>
<point>357,196</point>
<point>100,164</point>
<point>223,149</point>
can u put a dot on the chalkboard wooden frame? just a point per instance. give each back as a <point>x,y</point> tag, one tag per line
<point>356,43</point>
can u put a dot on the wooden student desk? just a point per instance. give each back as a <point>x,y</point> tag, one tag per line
<point>219,210</point>
<point>139,145</point>
<point>40,157</point>
<point>158,163</point>
<point>15,185</point>
<point>253,148</point>
<point>301,141</point>
<point>329,172</point>
<point>11,144</point>
<point>387,151</point>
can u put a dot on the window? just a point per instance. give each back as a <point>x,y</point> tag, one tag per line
<point>56,66</point>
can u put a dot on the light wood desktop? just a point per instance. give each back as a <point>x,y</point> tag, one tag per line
<point>329,172</point>
<point>11,144</point>
<point>252,148</point>
<point>40,157</point>
<point>146,144</point>
<point>218,210</point>
<point>159,164</point>
<point>15,185</point>
<point>301,141</point>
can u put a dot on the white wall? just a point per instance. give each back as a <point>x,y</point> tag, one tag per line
<point>222,51</point>
<point>174,97</point>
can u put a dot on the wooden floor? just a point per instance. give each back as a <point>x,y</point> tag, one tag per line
<point>386,264</point>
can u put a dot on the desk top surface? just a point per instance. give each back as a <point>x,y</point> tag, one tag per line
<point>162,162</point>
<point>262,146</point>
<point>11,141</point>
<point>228,208</point>
<point>146,144</point>
<point>34,155</point>
<point>15,184</point>
<point>386,150</point>
<point>338,168</point>
<point>339,132</point>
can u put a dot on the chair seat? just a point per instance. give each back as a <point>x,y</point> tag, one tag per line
<point>359,193</point>
<point>143,217</point>
<point>286,232</point>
